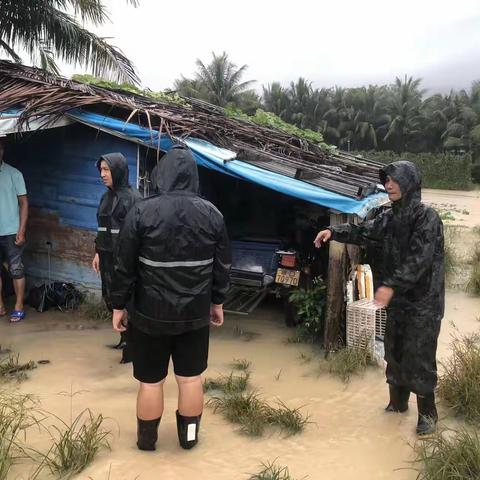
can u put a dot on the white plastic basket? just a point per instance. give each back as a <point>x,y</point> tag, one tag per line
<point>366,323</point>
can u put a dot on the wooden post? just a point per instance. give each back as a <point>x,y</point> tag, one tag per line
<point>353,251</point>
<point>342,259</point>
<point>335,309</point>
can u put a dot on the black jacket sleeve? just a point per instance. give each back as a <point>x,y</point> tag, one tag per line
<point>421,252</point>
<point>369,232</point>
<point>221,267</point>
<point>125,261</point>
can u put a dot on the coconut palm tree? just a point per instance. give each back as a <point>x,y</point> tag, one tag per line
<point>52,29</point>
<point>221,81</point>
<point>404,108</point>
<point>277,100</point>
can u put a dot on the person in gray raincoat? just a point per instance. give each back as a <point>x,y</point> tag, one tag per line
<point>410,236</point>
<point>112,210</point>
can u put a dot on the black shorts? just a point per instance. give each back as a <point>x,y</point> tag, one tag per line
<point>151,354</point>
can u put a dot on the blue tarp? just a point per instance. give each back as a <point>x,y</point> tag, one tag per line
<point>214,158</point>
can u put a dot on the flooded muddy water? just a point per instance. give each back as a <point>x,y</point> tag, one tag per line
<point>350,437</point>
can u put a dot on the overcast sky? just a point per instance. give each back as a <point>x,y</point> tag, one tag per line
<point>336,42</point>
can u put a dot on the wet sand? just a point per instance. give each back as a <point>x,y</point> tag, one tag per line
<point>350,436</point>
<point>464,207</point>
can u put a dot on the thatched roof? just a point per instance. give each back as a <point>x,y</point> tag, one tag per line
<point>41,93</point>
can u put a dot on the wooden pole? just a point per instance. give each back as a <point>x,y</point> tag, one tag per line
<point>342,259</point>
<point>335,309</point>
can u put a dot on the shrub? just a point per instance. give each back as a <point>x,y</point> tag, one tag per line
<point>311,309</point>
<point>438,170</point>
<point>476,173</point>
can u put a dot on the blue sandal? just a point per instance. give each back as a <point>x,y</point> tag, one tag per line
<point>17,316</point>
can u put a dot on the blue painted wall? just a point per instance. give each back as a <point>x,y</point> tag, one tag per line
<point>59,169</point>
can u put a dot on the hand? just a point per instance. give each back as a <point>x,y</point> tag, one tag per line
<point>119,320</point>
<point>323,237</point>
<point>96,264</point>
<point>216,315</point>
<point>20,239</point>
<point>383,296</point>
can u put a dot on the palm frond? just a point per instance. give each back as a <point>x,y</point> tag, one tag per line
<point>47,60</point>
<point>29,24</point>
<point>11,52</point>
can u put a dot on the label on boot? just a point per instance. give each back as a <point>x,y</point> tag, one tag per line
<point>191,431</point>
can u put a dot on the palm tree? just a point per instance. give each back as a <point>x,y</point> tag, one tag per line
<point>277,100</point>
<point>404,108</point>
<point>46,30</point>
<point>371,120</point>
<point>337,124</point>
<point>220,81</point>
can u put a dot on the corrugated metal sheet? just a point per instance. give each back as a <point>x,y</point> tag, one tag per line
<point>71,250</point>
<point>64,189</point>
<point>59,169</point>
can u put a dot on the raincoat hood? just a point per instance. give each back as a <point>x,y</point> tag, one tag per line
<point>407,175</point>
<point>177,172</point>
<point>118,166</point>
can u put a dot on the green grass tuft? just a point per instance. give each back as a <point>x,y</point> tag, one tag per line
<point>246,410</point>
<point>474,280</point>
<point>12,369</point>
<point>459,385</point>
<point>227,384</point>
<point>289,420</point>
<point>254,415</point>
<point>16,415</point>
<point>242,365</point>
<point>96,310</point>
<point>271,471</point>
<point>76,444</point>
<point>304,358</point>
<point>449,454</point>
<point>348,361</point>
<point>451,257</point>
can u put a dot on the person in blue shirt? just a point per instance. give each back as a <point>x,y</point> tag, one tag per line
<point>13,226</point>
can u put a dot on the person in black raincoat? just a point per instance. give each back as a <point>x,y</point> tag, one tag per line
<point>411,239</point>
<point>114,206</point>
<point>173,261</point>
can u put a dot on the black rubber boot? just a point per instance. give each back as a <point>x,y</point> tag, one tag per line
<point>187,429</point>
<point>147,433</point>
<point>427,414</point>
<point>127,347</point>
<point>121,342</point>
<point>126,354</point>
<point>398,399</point>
